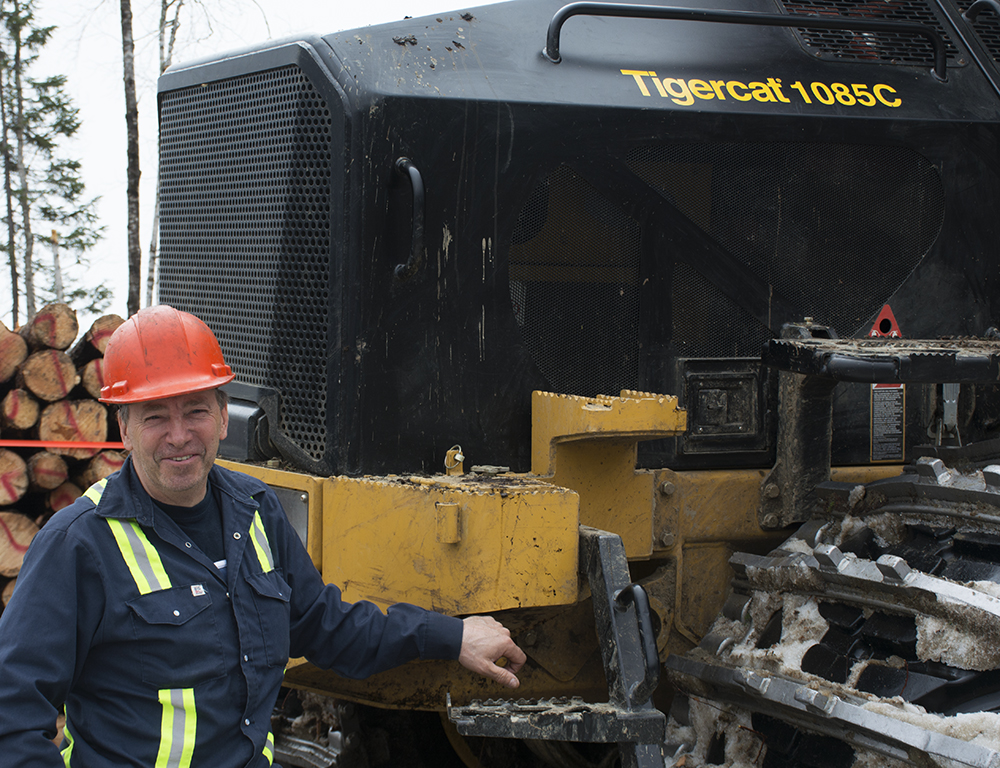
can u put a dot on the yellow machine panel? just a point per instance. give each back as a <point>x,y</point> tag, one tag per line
<point>473,543</point>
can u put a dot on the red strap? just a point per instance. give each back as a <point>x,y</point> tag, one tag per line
<point>57,444</point>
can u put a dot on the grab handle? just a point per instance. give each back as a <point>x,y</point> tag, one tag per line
<point>551,50</point>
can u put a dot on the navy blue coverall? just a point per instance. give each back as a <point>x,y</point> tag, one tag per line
<point>162,661</point>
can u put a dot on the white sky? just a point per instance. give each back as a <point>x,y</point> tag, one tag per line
<point>87,48</point>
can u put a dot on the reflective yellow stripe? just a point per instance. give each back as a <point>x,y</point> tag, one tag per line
<point>178,727</point>
<point>95,491</point>
<point>269,749</point>
<point>141,557</point>
<point>67,751</point>
<point>260,543</point>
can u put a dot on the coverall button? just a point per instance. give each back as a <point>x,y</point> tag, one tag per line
<point>246,722</point>
<point>177,613</point>
<point>187,544</point>
<point>236,535</point>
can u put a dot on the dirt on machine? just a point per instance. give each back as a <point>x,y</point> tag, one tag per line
<point>667,335</point>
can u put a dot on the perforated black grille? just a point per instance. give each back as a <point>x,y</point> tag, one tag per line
<point>832,229</point>
<point>574,284</point>
<point>245,232</point>
<point>878,47</point>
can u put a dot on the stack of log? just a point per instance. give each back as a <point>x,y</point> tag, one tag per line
<point>48,394</point>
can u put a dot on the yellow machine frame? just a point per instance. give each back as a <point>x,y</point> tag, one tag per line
<point>492,542</point>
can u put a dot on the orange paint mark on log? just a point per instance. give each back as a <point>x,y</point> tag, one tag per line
<point>59,373</point>
<point>9,488</point>
<point>46,471</point>
<point>10,537</point>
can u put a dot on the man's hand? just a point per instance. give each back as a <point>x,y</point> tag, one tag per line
<point>484,641</point>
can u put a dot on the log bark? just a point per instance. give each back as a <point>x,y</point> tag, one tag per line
<point>46,470</point>
<point>93,343</point>
<point>76,420</point>
<point>16,533</point>
<point>99,467</point>
<point>19,410</point>
<point>49,374</point>
<point>92,377</point>
<point>54,326</point>
<point>13,478</point>
<point>13,352</point>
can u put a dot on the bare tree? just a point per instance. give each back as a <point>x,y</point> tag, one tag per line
<point>169,22</point>
<point>17,20</point>
<point>9,195</point>
<point>132,122</point>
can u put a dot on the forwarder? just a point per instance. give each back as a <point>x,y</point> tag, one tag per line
<point>750,244</point>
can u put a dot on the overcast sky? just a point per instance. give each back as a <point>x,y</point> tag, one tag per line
<point>87,48</point>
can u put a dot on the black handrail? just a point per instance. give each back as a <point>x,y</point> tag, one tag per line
<point>551,50</point>
<point>405,167</point>
<point>643,689</point>
<point>977,7</point>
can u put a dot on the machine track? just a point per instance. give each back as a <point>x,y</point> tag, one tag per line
<point>870,637</point>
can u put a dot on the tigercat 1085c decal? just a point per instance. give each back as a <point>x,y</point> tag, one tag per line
<point>686,92</point>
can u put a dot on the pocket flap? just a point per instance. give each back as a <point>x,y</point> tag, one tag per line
<point>170,606</point>
<point>270,584</point>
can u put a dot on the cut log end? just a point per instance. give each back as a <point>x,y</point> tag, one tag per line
<point>16,533</point>
<point>99,467</point>
<point>13,478</point>
<point>77,421</point>
<point>46,470</point>
<point>54,326</point>
<point>13,352</point>
<point>92,377</point>
<point>19,410</point>
<point>49,374</point>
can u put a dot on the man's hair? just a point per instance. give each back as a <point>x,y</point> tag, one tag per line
<point>221,397</point>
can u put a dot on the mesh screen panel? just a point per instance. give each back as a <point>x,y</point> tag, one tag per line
<point>877,47</point>
<point>245,232</point>
<point>833,229</point>
<point>574,282</point>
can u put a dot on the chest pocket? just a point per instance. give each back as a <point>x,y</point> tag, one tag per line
<point>175,627</point>
<point>179,641</point>
<point>271,594</point>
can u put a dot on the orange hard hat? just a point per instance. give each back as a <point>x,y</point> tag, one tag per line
<point>161,352</point>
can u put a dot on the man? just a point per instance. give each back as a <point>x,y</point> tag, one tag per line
<point>162,606</point>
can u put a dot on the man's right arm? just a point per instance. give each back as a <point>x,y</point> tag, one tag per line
<point>41,645</point>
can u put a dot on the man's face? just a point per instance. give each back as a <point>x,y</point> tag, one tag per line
<point>174,443</point>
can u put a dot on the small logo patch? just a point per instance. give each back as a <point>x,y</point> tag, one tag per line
<point>197,590</point>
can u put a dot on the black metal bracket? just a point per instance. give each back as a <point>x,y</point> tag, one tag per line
<point>406,168</point>
<point>801,21</point>
<point>885,361</point>
<point>631,664</point>
<point>811,361</point>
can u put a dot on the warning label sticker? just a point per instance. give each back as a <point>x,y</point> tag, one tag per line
<point>888,422</point>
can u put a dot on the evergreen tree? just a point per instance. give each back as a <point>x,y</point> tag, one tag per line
<point>46,188</point>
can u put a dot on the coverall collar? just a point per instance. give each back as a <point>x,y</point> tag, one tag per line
<point>127,499</point>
